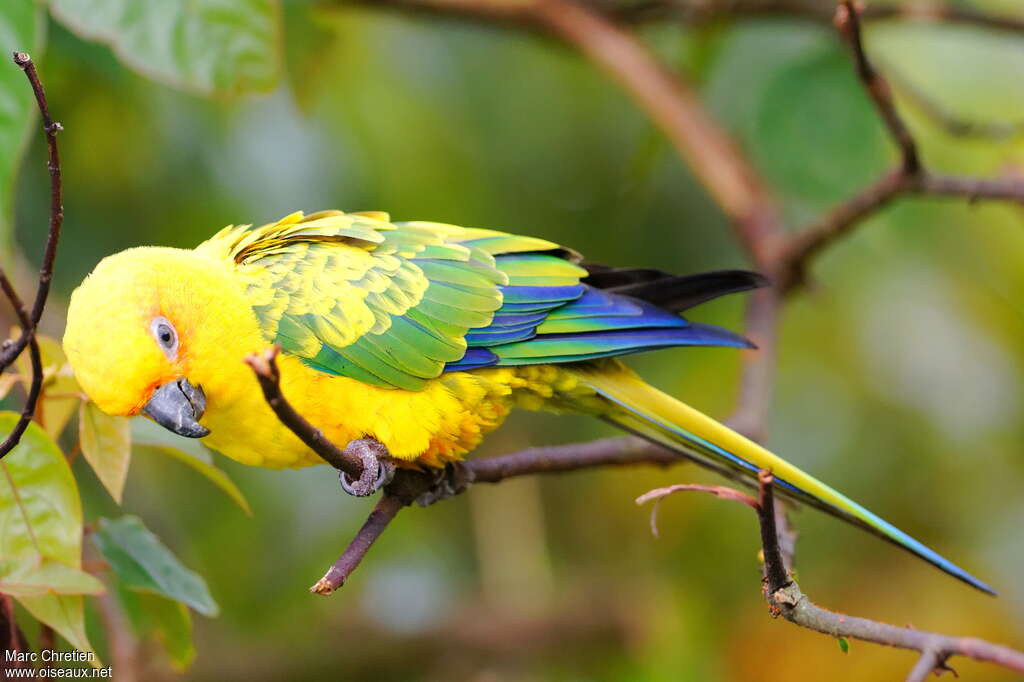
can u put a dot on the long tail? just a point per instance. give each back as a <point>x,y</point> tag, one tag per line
<point>642,409</point>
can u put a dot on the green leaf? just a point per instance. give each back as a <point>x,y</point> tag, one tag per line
<point>106,445</point>
<point>40,526</point>
<point>844,645</point>
<point>21,29</point>
<point>818,136</point>
<point>163,619</point>
<point>149,436</point>
<point>207,46</point>
<point>144,563</point>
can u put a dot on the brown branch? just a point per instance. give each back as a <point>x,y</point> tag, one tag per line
<point>29,321</point>
<point>787,600</point>
<point>36,361</point>
<point>910,177</point>
<point>620,451</point>
<point>775,572</point>
<point>375,524</point>
<point>264,365</point>
<point>658,494</point>
<point>50,128</point>
<point>848,22</point>
<point>410,485</point>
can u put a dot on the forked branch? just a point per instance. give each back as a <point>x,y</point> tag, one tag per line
<point>787,600</point>
<point>29,320</point>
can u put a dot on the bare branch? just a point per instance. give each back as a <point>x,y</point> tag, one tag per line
<point>848,22</point>
<point>658,494</point>
<point>50,128</point>
<point>786,599</point>
<point>795,607</point>
<point>910,177</point>
<point>29,321</point>
<point>621,451</point>
<point>774,567</point>
<point>410,485</point>
<point>265,367</point>
<point>387,507</point>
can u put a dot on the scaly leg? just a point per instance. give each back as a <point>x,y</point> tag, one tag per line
<point>377,468</point>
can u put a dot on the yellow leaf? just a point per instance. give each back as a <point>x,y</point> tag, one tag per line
<point>65,614</point>
<point>34,577</point>
<point>60,388</point>
<point>7,382</point>
<point>107,446</point>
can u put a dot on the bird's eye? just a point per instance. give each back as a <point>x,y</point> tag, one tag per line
<point>166,336</point>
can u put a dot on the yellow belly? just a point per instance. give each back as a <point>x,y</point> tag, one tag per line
<point>441,423</point>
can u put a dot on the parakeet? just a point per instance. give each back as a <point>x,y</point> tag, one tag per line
<point>420,335</point>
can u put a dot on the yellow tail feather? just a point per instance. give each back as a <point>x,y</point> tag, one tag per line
<point>640,408</point>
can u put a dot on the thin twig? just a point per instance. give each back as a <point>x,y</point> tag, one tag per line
<point>36,361</point>
<point>775,573</point>
<point>848,22</point>
<point>387,507</point>
<point>29,321</point>
<point>658,494</point>
<point>50,128</point>
<point>265,367</point>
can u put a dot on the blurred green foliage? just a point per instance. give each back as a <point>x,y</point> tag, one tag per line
<point>900,372</point>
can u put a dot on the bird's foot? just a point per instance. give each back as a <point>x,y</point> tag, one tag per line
<point>453,479</point>
<point>377,468</point>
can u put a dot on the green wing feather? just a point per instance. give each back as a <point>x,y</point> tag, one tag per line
<point>358,296</point>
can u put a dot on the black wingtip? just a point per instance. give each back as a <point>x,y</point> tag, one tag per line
<point>675,293</point>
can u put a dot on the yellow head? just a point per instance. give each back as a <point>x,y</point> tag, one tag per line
<point>152,329</point>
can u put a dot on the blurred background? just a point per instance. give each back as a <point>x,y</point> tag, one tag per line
<point>901,371</point>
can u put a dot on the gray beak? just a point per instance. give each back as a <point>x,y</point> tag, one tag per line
<point>178,406</point>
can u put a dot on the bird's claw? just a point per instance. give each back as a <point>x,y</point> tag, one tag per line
<point>377,468</point>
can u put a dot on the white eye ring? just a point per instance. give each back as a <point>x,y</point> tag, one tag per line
<point>166,336</point>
